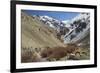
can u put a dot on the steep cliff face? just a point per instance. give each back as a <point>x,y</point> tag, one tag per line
<point>80,28</point>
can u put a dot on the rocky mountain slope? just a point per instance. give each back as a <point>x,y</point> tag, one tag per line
<point>80,28</point>
<point>35,34</point>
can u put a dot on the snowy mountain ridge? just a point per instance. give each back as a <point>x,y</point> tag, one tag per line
<point>80,28</point>
<point>72,30</point>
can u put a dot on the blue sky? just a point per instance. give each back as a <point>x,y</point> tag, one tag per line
<point>55,14</point>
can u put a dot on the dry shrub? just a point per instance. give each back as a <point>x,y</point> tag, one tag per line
<point>59,52</point>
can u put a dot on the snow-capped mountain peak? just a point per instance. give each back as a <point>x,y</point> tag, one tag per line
<point>67,23</point>
<point>80,28</point>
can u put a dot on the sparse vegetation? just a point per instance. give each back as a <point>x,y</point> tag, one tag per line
<point>70,52</point>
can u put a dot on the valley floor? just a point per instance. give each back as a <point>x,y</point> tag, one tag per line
<point>70,52</point>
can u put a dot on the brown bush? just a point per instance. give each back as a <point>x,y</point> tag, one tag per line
<point>59,52</point>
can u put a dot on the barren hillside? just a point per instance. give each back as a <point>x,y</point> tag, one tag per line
<point>34,34</point>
